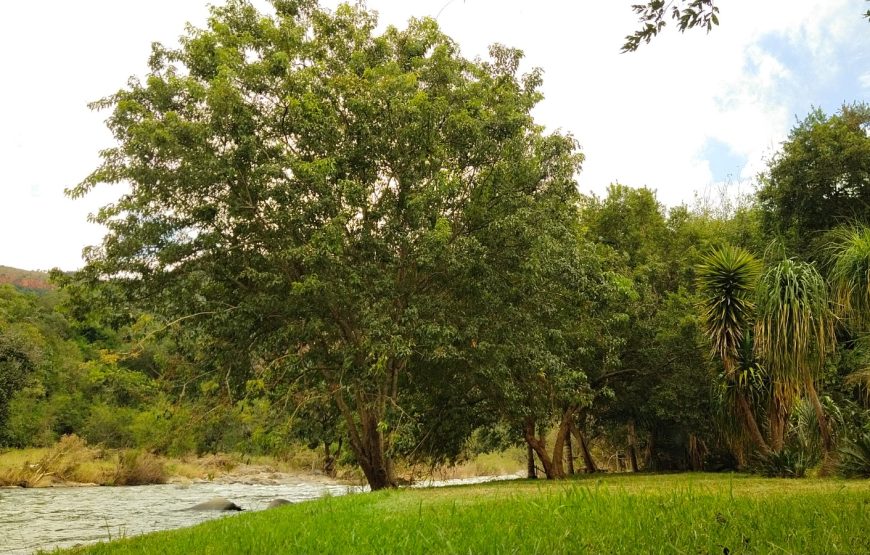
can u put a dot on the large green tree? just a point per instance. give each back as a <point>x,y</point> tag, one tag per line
<point>848,259</point>
<point>307,192</point>
<point>653,382</point>
<point>820,179</point>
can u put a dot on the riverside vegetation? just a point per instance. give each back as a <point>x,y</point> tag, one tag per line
<point>72,462</point>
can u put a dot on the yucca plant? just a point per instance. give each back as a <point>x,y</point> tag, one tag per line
<point>794,331</point>
<point>726,280</point>
<point>848,256</point>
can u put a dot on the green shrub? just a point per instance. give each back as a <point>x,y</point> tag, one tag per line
<point>165,429</point>
<point>30,421</point>
<point>787,463</point>
<point>109,426</point>
<point>69,412</point>
<point>855,457</point>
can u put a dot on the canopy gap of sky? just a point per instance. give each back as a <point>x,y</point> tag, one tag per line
<point>685,115</point>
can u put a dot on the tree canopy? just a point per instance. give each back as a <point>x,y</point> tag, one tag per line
<point>820,179</point>
<point>317,196</point>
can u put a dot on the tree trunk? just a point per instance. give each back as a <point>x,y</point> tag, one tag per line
<point>569,454</point>
<point>777,416</point>
<point>375,464</point>
<point>824,430</point>
<point>632,440</point>
<point>328,461</point>
<point>552,468</point>
<point>650,459</point>
<point>531,471</point>
<point>559,445</point>
<point>367,443</point>
<point>588,462</point>
<point>696,453</point>
<point>750,424</point>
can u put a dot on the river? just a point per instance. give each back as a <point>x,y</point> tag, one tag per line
<point>49,518</point>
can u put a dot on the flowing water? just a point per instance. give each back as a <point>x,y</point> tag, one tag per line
<point>48,518</point>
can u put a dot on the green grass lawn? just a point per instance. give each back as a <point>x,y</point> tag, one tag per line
<point>676,513</point>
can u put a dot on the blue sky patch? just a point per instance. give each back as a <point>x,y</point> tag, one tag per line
<point>815,82</point>
<point>725,164</point>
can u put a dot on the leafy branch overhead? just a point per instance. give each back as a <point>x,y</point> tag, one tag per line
<point>654,16</point>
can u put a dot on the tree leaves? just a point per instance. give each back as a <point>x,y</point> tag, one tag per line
<point>653,17</point>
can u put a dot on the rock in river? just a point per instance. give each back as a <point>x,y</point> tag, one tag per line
<point>216,504</point>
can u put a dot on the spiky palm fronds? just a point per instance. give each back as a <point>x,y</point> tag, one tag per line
<point>726,278</point>
<point>848,256</point>
<point>855,457</point>
<point>794,329</point>
<point>806,425</point>
<point>805,422</point>
<point>786,463</point>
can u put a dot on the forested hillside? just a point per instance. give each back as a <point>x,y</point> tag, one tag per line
<point>24,279</point>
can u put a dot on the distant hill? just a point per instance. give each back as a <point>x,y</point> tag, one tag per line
<point>25,279</point>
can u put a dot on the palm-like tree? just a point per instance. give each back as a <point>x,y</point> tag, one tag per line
<point>727,279</point>
<point>793,333</point>
<point>849,272</point>
<point>848,256</point>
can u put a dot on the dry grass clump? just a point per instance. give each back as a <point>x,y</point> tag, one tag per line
<point>500,463</point>
<point>58,463</point>
<point>72,461</point>
<point>298,459</point>
<point>184,469</point>
<point>219,463</point>
<point>137,468</point>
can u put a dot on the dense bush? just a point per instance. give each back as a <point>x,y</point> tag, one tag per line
<point>109,426</point>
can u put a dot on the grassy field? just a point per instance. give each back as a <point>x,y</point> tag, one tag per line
<point>686,513</point>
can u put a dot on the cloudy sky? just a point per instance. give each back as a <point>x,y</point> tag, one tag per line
<point>683,115</point>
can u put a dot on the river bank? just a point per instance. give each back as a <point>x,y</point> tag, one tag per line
<point>73,463</point>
